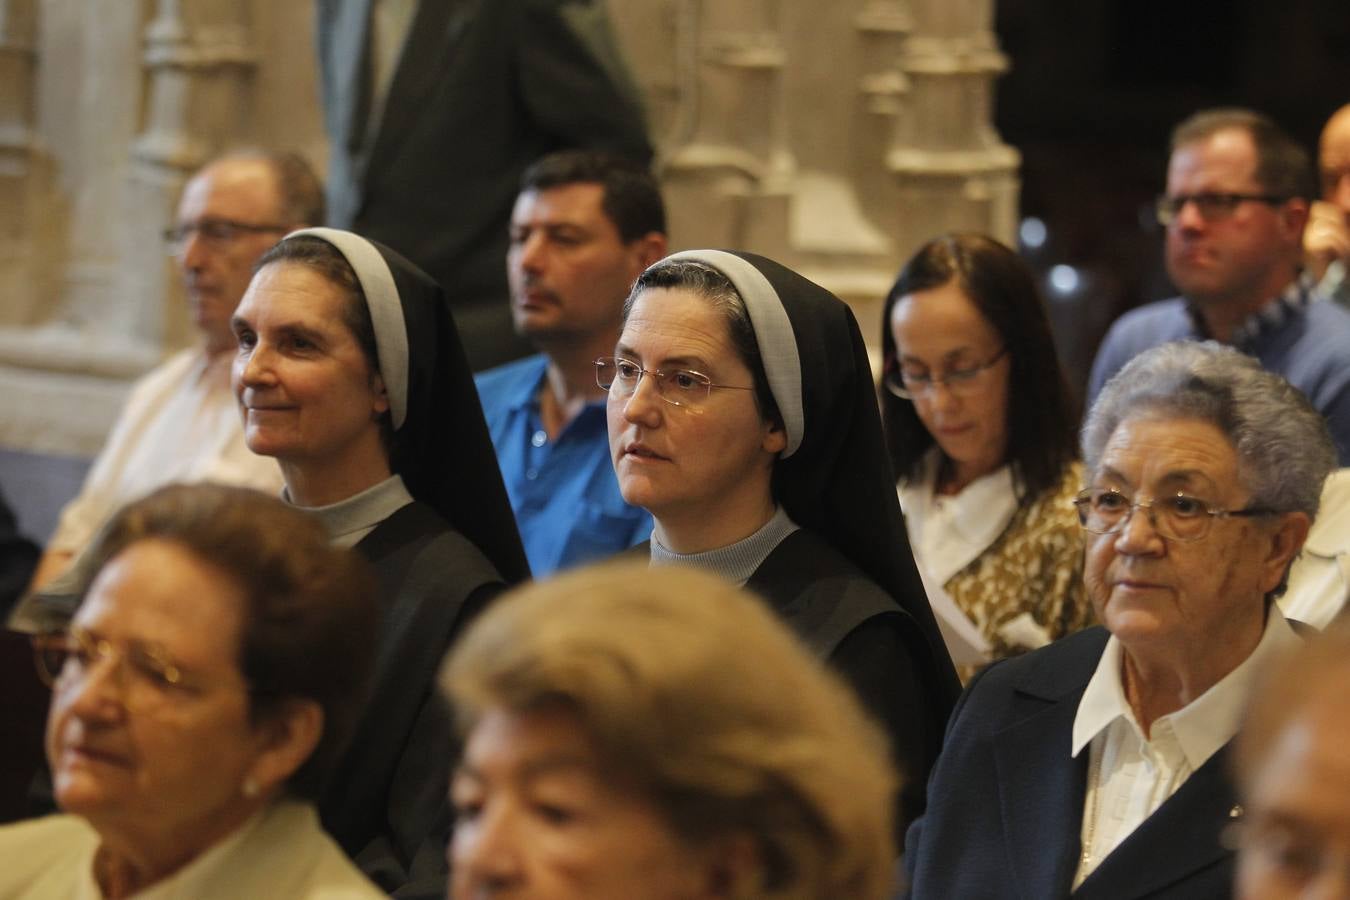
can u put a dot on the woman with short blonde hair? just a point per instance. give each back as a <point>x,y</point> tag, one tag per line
<point>718,756</point>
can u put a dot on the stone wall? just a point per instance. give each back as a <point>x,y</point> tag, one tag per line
<point>835,137</point>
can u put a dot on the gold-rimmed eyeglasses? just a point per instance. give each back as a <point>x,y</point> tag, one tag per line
<point>678,387</point>
<point>147,675</point>
<point>963,382</point>
<point>1178,517</point>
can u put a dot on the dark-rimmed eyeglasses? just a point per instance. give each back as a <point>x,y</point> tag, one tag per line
<point>1211,206</point>
<point>216,232</point>
<point>678,387</point>
<point>909,385</point>
<point>1177,517</point>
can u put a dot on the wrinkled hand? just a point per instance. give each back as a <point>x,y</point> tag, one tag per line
<point>1327,237</point>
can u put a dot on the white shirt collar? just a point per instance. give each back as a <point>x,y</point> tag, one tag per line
<point>948,533</point>
<point>1202,726</point>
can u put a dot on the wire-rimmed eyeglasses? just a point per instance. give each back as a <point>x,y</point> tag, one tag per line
<point>1211,206</point>
<point>909,385</point>
<point>678,387</point>
<point>1177,517</point>
<point>216,232</point>
<point>147,675</point>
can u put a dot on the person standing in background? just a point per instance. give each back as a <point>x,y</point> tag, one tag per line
<point>433,110</point>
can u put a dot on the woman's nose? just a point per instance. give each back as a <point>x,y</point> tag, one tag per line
<point>644,406</point>
<point>97,692</point>
<point>485,854</point>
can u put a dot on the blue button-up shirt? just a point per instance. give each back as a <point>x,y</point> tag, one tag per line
<point>564,493</point>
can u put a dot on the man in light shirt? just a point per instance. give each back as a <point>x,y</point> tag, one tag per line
<point>1099,765</point>
<point>181,421</point>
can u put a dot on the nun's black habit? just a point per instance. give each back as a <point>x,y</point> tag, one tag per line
<point>439,560</point>
<point>846,580</point>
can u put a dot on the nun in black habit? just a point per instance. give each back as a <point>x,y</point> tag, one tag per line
<point>742,417</point>
<point>351,374</point>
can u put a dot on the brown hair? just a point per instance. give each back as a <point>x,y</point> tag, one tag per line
<point>696,692</point>
<point>309,624</point>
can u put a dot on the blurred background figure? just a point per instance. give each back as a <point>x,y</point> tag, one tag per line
<point>742,416</point>
<point>1235,207</point>
<point>1074,769</point>
<point>180,422</point>
<point>640,734</point>
<point>349,372</point>
<point>433,110</point>
<point>982,433</point>
<point>1294,776</point>
<point>1326,241</point>
<point>200,698</point>
<point>585,225</point>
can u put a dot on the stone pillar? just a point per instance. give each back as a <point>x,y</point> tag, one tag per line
<point>18,59</point>
<point>727,171</point>
<point>199,65</point>
<point>952,169</point>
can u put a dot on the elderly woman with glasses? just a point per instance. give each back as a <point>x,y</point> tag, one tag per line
<point>200,698</point>
<point>980,427</point>
<point>741,416</point>
<point>1099,766</point>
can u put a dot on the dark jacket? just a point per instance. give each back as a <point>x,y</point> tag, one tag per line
<point>1005,801</point>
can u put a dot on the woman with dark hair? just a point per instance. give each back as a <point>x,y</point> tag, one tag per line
<point>741,416</point>
<point>203,692</point>
<point>981,431</point>
<point>350,373</point>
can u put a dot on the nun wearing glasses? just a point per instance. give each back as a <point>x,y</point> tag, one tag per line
<point>742,417</point>
<point>1099,766</point>
<point>349,372</point>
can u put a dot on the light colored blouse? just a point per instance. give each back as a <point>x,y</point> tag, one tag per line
<point>281,852</point>
<point>1013,566</point>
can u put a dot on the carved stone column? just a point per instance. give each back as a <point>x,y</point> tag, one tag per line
<point>728,170</point>
<point>18,58</point>
<point>950,164</point>
<point>199,65</point>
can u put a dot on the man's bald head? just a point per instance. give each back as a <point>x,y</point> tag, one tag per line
<point>232,210</point>
<point>1333,156</point>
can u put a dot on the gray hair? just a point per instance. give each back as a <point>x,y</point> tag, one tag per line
<point>1283,447</point>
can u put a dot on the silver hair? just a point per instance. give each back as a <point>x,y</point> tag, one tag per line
<point>1283,447</point>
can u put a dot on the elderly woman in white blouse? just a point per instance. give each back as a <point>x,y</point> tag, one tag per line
<point>1099,765</point>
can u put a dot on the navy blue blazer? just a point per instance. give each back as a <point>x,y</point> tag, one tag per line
<point>1005,801</point>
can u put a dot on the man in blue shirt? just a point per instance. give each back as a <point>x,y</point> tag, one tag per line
<point>1238,191</point>
<point>584,226</point>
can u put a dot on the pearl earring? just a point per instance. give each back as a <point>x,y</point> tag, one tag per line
<point>251,788</point>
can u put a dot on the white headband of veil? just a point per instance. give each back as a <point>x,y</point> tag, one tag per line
<point>386,311</point>
<point>773,333</point>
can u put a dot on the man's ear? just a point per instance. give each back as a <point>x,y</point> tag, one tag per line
<point>648,249</point>
<point>1293,218</point>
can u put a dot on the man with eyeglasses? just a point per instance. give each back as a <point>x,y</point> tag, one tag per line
<point>181,421</point>
<point>1326,243</point>
<point>584,226</point>
<point>1237,200</point>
